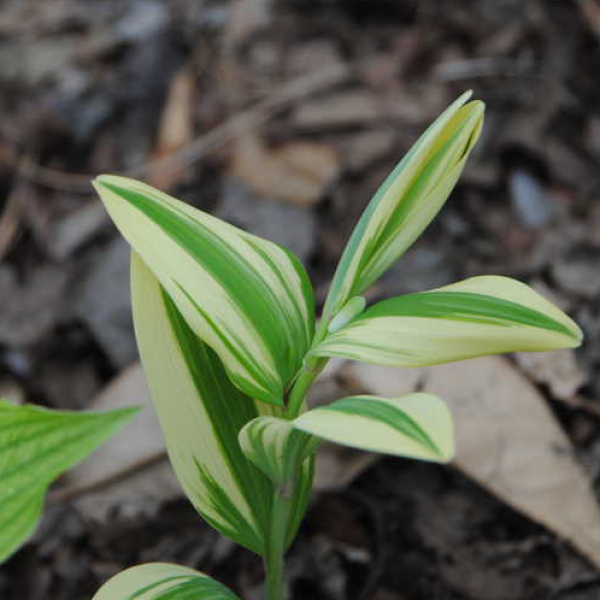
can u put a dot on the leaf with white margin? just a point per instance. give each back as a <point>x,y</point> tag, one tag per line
<point>276,448</point>
<point>201,413</point>
<point>248,299</point>
<point>474,317</point>
<point>37,445</point>
<point>163,581</point>
<point>415,425</point>
<point>407,201</point>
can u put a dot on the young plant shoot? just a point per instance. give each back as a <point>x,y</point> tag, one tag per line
<point>225,323</point>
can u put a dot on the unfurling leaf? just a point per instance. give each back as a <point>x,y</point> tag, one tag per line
<point>248,299</point>
<point>36,446</point>
<point>415,425</point>
<point>407,201</point>
<point>201,413</point>
<point>474,317</point>
<point>276,448</point>
<point>163,581</point>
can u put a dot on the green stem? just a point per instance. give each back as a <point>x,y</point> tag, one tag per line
<point>284,494</point>
<point>302,384</point>
<point>282,504</point>
<point>298,393</point>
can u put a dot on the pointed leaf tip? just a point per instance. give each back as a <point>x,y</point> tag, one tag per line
<point>248,299</point>
<point>407,201</point>
<point>201,414</point>
<point>475,317</point>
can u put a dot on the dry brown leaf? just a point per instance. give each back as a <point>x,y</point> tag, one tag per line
<point>130,472</point>
<point>591,11</point>
<point>29,309</point>
<point>10,220</point>
<point>297,172</point>
<point>343,109</point>
<point>76,228</point>
<point>508,441</point>
<point>242,122</point>
<point>11,389</point>
<point>176,128</point>
<point>558,370</point>
<point>364,148</point>
<point>303,57</point>
<point>338,466</point>
<point>245,18</point>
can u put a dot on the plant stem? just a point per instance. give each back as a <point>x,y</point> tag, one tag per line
<point>284,494</point>
<point>282,503</point>
<point>298,393</point>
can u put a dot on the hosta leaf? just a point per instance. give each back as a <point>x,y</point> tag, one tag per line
<point>474,317</point>
<point>248,299</point>
<point>416,425</point>
<point>407,201</point>
<point>162,581</point>
<point>201,413</point>
<point>36,446</point>
<point>276,448</point>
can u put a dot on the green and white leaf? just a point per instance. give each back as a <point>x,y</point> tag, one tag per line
<point>474,317</point>
<point>36,446</point>
<point>163,581</point>
<point>276,448</point>
<point>416,425</point>
<point>408,200</point>
<point>201,414</point>
<point>248,299</point>
<point>350,311</point>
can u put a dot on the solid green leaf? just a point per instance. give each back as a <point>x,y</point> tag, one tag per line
<point>36,446</point>
<point>408,200</point>
<point>201,414</point>
<point>475,317</point>
<point>415,425</point>
<point>248,299</point>
<point>163,581</point>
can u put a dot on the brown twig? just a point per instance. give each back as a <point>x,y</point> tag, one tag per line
<point>584,404</point>
<point>10,219</point>
<point>68,493</point>
<point>214,139</point>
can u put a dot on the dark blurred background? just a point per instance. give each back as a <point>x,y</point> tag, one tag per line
<point>283,117</point>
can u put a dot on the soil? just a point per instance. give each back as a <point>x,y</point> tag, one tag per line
<point>106,86</point>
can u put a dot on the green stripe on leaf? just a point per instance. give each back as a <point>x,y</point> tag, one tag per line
<point>163,581</point>
<point>407,201</point>
<point>249,299</point>
<point>468,307</point>
<point>201,414</point>
<point>276,448</point>
<point>416,425</point>
<point>470,318</point>
<point>382,412</point>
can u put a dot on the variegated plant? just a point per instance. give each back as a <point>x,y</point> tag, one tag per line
<point>226,330</point>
